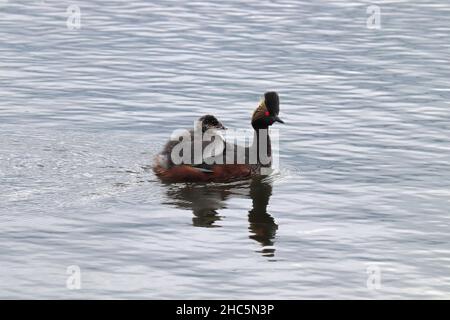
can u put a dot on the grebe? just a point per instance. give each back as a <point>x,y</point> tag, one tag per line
<point>265,115</point>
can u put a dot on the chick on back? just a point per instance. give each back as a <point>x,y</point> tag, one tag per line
<point>204,123</point>
<point>209,122</point>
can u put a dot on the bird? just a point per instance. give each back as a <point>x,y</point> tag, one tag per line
<point>225,161</point>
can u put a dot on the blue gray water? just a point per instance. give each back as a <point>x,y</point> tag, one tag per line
<point>364,177</point>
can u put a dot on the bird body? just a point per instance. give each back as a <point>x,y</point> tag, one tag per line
<point>220,161</point>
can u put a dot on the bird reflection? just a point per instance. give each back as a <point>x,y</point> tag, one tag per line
<point>206,200</point>
<point>262,225</point>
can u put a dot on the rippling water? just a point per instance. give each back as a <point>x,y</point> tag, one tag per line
<point>364,171</point>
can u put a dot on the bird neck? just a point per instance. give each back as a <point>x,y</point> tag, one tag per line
<point>262,147</point>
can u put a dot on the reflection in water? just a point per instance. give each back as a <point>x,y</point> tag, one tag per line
<point>261,224</point>
<point>206,199</point>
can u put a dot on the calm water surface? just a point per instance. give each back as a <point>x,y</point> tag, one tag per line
<point>364,178</point>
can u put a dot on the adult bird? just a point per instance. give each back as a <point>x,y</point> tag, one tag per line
<point>236,162</point>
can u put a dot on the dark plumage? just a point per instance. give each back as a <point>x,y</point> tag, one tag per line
<point>210,122</point>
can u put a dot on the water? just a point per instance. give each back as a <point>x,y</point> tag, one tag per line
<point>364,175</point>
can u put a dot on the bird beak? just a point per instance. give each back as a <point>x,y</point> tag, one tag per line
<point>278,119</point>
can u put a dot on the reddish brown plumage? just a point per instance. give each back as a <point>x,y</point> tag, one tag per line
<point>220,173</point>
